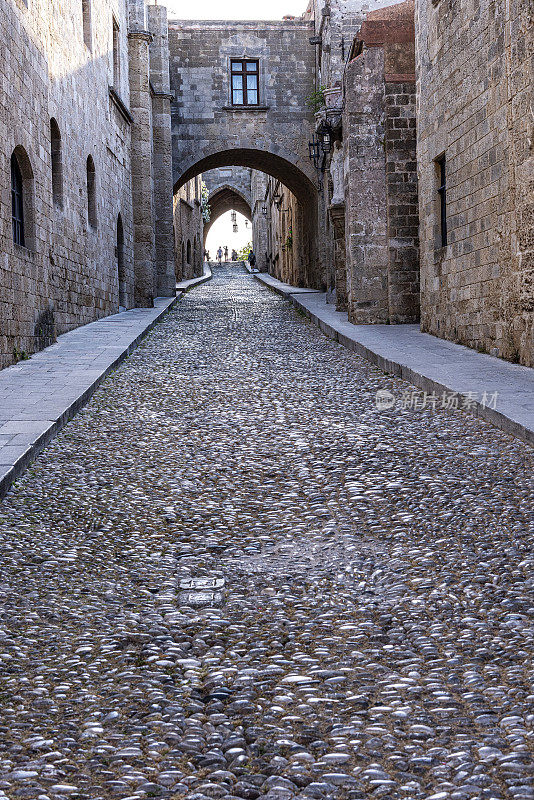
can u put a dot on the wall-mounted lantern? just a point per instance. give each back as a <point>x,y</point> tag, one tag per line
<point>325,137</point>
<point>235,227</point>
<point>233,216</point>
<point>246,223</point>
<point>264,209</point>
<point>313,151</point>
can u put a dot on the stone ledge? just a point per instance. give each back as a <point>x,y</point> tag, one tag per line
<point>432,364</point>
<point>39,396</point>
<point>185,286</point>
<point>283,288</point>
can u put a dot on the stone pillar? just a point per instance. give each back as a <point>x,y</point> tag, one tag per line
<point>337,218</point>
<point>162,151</point>
<point>142,176</point>
<point>365,192</point>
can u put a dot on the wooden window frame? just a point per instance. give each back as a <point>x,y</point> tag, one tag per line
<point>242,72</point>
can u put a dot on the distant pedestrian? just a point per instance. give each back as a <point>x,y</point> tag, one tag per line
<point>226,253</point>
<point>219,255</point>
<point>206,255</point>
<point>234,255</point>
<point>252,261</point>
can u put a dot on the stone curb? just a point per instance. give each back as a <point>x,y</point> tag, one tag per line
<point>9,473</point>
<point>186,286</point>
<point>349,339</point>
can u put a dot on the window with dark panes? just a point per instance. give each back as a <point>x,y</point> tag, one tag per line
<point>17,202</point>
<point>245,82</point>
<point>442,193</point>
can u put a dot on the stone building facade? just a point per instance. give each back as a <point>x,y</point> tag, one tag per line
<point>211,131</point>
<point>189,230</point>
<point>380,171</point>
<point>275,240</point>
<point>84,161</point>
<point>476,130</point>
<point>107,112</point>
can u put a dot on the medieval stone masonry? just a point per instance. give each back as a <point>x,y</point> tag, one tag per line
<point>85,156</point>
<point>475,117</point>
<point>382,152</point>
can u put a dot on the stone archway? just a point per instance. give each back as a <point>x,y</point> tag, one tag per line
<point>297,181</point>
<point>226,198</point>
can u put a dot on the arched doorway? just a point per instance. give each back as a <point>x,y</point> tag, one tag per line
<point>121,275</point>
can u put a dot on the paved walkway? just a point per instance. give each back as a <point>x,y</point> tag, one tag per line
<point>38,396</point>
<point>231,575</point>
<point>494,389</point>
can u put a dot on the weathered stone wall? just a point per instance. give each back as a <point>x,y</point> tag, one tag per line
<point>276,234</point>
<point>235,178</point>
<point>161,150</point>
<point>475,79</point>
<point>381,229</point>
<point>204,121</point>
<point>67,274</point>
<point>402,200</point>
<point>336,24</point>
<point>188,230</point>
<point>75,266</point>
<point>260,235</point>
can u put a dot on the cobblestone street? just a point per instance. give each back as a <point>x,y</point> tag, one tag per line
<point>232,576</point>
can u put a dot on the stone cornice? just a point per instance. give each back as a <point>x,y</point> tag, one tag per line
<point>121,107</point>
<point>163,95</point>
<point>141,34</point>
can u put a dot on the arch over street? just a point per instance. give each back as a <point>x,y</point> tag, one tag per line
<point>223,199</point>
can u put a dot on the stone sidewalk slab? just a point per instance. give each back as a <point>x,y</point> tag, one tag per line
<point>38,396</point>
<point>434,365</point>
<point>282,288</point>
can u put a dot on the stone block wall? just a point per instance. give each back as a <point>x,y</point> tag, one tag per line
<point>381,203</point>
<point>67,274</point>
<point>188,230</point>
<point>475,78</point>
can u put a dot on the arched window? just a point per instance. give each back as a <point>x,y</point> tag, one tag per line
<point>17,202</point>
<point>121,274</point>
<point>183,254</point>
<point>91,192</point>
<point>57,164</point>
<point>188,251</point>
<point>195,252</point>
<point>22,212</point>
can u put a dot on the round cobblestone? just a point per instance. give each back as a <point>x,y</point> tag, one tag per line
<point>232,576</point>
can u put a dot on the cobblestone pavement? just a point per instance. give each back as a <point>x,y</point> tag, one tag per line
<point>232,576</point>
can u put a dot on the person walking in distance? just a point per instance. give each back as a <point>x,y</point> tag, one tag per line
<point>219,255</point>
<point>252,261</point>
<point>226,253</point>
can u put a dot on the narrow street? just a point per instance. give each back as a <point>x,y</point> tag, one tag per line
<point>232,576</point>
